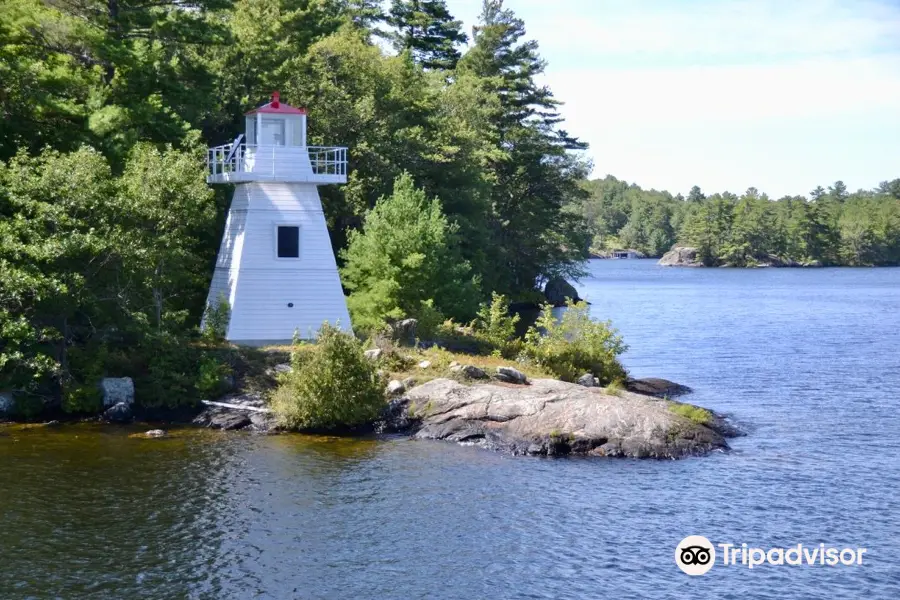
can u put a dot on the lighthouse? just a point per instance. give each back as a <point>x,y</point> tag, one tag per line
<point>275,265</point>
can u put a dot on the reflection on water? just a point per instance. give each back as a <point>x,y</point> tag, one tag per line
<point>805,359</point>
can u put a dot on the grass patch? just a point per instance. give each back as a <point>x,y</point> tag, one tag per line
<point>698,415</point>
<point>614,388</point>
<point>441,359</point>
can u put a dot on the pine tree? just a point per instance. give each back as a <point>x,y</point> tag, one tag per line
<point>428,31</point>
<point>533,175</point>
<point>696,195</point>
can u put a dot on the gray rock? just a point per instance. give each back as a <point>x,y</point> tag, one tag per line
<point>283,368</point>
<point>454,364</point>
<point>395,388</point>
<point>263,422</point>
<point>217,417</point>
<point>118,413</point>
<point>587,380</point>
<point>6,402</point>
<point>404,332</point>
<point>473,372</point>
<point>425,364</point>
<point>654,386</point>
<point>558,290</point>
<point>116,390</point>
<point>511,375</point>
<point>550,418</point>
<point>373,354</point>
<point>681,256</point>
<point>457,368</point>
<point>156,433</point>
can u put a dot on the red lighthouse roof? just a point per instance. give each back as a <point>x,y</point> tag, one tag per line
<point>277,107</point>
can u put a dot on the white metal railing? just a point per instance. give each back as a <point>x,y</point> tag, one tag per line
<point>231,161</point>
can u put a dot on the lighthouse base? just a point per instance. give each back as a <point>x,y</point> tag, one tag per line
<point>276,268</point>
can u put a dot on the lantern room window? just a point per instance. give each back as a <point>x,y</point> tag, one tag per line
<point>272,132</point>
<point>288,241</point>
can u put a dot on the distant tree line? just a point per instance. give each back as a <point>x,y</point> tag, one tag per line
<point>831,226</point>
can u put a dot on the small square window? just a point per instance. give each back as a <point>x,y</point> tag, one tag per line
<point>288,241</point>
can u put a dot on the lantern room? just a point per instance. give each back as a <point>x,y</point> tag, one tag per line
<point>273,147</point>
<point>276,124</point>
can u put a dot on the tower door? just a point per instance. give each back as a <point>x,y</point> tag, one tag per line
<point>272,133</point>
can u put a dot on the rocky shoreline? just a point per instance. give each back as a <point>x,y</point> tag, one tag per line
<point>543,417</point>
<point>553,418</point>
<point>688,256</point>
<point>507,413</point>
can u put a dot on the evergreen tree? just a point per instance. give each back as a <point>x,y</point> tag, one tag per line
<point>696,195</point>
<point>533,175</point>
<point>427,30</point>
<point>817,193</point>
<point>838,191</point>
<point>405,260</point>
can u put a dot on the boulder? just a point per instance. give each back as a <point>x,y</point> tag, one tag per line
<point>510,375</point>
<point>681,256</point>
<point>558,290</point>
<point>425,364</point>
<point>263,422</point>
<point>118,413</point>
<point>6,402</point>
<point>404,331</point>
<point>373,354</point>
<point>395,388</point>
<point>654,386</point>
<point>550,417</point>
<point>116,390</point>
<point>473,372</point>
<point>218,417</point>
<point>587,380</point>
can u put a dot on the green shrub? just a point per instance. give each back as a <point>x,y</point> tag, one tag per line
<point>575,345</point>
<point>81,389</point>
<point>166,372</point>
<point>332,386</point>
<point>216,318</point>
<point>497,328</point>
<point>429,320</point>
<point>614,387</point>
<point>211,377</point>
<point>698,415</point>
<point>85,398</point>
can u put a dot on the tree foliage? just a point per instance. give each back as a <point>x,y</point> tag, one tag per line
<point>404,256</point>
<point>332,385</point>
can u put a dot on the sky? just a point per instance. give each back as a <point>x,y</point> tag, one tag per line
<point>781,95</point>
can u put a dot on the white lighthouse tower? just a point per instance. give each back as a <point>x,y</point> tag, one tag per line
<point>275,266</point>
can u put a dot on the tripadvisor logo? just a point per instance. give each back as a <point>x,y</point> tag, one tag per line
<point>696,555</point>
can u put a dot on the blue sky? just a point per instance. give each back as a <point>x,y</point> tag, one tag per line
<point>783,95</point>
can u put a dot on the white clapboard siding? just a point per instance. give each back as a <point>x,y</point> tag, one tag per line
<point>259,285</point>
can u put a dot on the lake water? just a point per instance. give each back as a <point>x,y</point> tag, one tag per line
<point>808,361</point>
